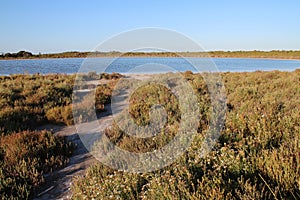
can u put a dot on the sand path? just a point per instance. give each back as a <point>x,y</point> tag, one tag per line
<point>58,183</point>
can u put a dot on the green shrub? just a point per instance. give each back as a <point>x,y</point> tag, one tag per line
<point>61,115</point>
<point>102,96</point>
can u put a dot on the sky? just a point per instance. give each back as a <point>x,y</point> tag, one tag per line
<point>50,26</point>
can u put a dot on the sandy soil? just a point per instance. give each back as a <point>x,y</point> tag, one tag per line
<point>57,184</point>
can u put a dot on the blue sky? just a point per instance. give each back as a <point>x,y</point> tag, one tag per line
<point>67,25</point>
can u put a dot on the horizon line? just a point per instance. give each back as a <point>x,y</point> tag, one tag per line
<point>116,51</point>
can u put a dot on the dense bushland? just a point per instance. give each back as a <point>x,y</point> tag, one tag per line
<point>256,157</point>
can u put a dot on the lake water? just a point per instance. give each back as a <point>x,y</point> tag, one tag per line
<point>143,65</point>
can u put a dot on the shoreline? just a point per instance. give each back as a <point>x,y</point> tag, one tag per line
<point>115,57</point>
<point>151,74</point>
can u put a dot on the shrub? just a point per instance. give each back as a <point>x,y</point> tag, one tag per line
<point>256,157</point>
<point>25,156</point>
<point>28,101</point>
<point>61,115</point>
<point>102,96</point>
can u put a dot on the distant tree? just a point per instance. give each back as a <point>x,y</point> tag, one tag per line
<point>24,54</point>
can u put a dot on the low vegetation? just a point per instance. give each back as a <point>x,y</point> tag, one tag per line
<point>25,157</point>
<point>256,157</point>
<point>27,102</point>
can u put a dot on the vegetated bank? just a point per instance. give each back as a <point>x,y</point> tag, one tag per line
<point>275,54</point>
<point>256,156</point>
<point>27,102</point>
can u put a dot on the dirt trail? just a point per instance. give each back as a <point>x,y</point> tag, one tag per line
<point>57,184</point>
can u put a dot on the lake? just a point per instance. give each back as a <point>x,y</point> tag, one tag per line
<point>143,65</point>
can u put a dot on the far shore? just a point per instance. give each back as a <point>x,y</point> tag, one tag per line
<point>274,55</point>
<point>262,58</point>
